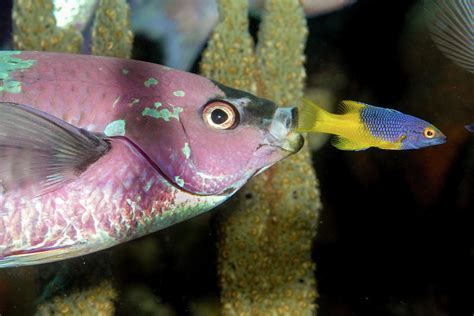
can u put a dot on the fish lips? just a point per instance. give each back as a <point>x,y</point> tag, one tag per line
<point>280,140</point>
<point>280,132</point>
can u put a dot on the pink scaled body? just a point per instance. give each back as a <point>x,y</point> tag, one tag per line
<point>165,163</point>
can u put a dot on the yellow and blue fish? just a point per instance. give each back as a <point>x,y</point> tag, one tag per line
<point>359,126</point>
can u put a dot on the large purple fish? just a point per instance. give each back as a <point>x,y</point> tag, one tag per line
<point>96,151</point>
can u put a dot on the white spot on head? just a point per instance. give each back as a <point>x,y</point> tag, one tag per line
<point>116,101</point>
<point>115,128</point>
<point>149,184</point>
<point>179,93</point>
<point>150,82</point>
<point>179,181</point>
<point>186,150</point>
<point>90,127</point>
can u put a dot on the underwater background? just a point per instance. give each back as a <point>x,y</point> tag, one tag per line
<point>394,233</point>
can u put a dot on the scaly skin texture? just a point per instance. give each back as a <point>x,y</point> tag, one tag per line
<point>123,195</point>
<point>119,198</point>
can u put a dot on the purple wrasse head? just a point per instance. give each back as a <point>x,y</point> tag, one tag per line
<point>223,137</point>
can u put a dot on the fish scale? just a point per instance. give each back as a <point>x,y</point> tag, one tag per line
<point>151,159</point>
<point>382,123</point>
<point>107,213</point>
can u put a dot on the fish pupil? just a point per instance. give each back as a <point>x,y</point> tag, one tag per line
<point>219,116</point>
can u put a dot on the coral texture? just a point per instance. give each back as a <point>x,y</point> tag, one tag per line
<point>34,28</point>
<point>98,300</point>
<point>230,54</point>
<point>265,265</point>
<point>111,34</point>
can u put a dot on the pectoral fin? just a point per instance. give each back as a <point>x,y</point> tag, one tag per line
<point>40,152</point>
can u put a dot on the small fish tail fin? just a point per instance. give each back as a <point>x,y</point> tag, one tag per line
<point>309,114</point>
<point>470,127</point>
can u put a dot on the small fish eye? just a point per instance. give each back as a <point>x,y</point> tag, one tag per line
<point>220,115</point>
<point>429,132</point>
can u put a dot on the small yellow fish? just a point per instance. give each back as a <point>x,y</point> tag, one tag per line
<point>359,126</point>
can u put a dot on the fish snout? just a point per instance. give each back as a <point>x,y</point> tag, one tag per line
<point>281,130</point>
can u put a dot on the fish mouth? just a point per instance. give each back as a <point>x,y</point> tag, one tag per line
<point>281,131</point>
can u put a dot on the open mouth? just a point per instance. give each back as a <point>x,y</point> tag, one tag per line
<point>281,131</point>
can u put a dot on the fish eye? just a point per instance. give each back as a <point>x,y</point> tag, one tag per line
<point>220,115</point>
<point>429,132</point>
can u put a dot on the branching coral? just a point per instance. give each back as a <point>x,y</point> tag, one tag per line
<point>98,300</point>
<point>111,35</point>
<point>280,51</point>
<point>230,55</point>
<point>265,265</point>
<point>35,28</point>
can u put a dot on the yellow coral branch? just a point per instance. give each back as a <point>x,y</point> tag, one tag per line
<point>98,300</point>
<point>264,261</point>
<point>280,51</point>
<point>111,34</point>
<point>229,57</point>
<point>34,28</point>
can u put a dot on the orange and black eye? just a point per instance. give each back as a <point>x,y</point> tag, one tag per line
<point>220,115</point>
<point>429,132</point>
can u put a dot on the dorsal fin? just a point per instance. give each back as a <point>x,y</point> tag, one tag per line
<point>40,152</point>
<point>452,31</point>
<point>348,106</point>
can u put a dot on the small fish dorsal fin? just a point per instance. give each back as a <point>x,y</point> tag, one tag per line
<point>348,106</point>
<point>343,143</point>
<point>41,152</point>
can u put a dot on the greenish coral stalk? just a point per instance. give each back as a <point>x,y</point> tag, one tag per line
<point>34,28</point>
<point>264,261</point>
<point>111,34</point>
<point>230,53</point>
<point>280,51</point>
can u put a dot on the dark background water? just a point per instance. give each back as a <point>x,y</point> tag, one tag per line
<point>396,235</point>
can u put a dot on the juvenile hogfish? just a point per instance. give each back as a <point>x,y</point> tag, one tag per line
<point>96,151</point>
